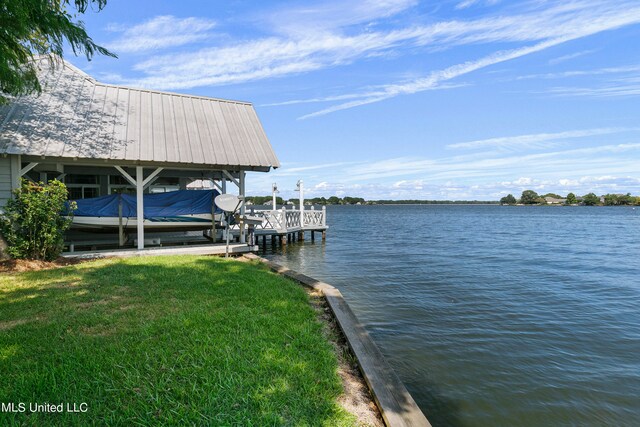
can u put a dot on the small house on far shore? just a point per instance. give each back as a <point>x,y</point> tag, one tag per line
<point>100,139</point>
<point>554,201</point>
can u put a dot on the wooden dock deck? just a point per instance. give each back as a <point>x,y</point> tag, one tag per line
<point>209,249</point>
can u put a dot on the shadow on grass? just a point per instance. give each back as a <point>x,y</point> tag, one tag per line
<point>180,340</point>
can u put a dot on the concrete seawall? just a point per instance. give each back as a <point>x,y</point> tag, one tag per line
<point>394,401</point>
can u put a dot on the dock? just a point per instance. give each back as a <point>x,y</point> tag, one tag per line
<point>285,225</point>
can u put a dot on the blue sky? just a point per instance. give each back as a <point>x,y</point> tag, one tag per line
<point>460,99</point>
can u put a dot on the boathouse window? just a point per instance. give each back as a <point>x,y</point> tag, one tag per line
<point>82,186</point>
<point>118,184</point>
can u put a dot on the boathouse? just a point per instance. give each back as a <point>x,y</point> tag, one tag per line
<point>100,139</point>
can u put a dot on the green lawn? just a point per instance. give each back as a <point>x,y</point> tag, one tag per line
<point>165,340</point>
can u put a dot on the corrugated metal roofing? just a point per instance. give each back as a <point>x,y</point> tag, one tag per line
<point>78,117</point>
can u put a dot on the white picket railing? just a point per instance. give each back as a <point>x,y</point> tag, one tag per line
<point>290,220</point>
<point>314,218</point>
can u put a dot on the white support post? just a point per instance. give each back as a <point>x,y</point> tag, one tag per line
<point>274,191</point>
<point>16,165</point>
<point>151,178</point>
<point>324,216</point>
<point>127,176</point>
<point>140,205</point>
<point>150,183</point>
<point>223,185</point>
<point>241,184</point>
<point>231,178</point>
<point>284,218</point>
<point>28,168</point>
<point>301,187</point>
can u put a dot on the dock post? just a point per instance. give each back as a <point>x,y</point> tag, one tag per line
<point>324,222</point>
<point>301,236</point>
<point>313,236</point>
<point>324,216</point>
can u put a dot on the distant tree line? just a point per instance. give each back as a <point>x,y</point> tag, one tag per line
<point>434,202</point>
<point>335,200</point>
<point>261,200</point>
<point>530,197</point>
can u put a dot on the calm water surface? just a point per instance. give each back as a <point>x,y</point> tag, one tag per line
<point>494,315</point>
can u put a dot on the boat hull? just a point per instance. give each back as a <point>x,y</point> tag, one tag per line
<point>192,222</point>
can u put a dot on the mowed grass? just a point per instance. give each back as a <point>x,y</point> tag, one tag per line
<point>165,340</point>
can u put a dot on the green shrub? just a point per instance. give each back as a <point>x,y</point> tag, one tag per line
<point>32,223</point>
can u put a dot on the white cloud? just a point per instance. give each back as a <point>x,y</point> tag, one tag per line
<point>372,92</point>
<point>427,189</point>
<point>331,15</point>
<point>295,171</point>
<point>576,26</point>
<point>606,159</point>
<point>606,91</point>
<point>569,56</point>
<point>468,3</point>
<point>627,69</point>
<point>324,45</point>
<point>539,140</point>
<point>484,176</point>
<point>435,78</point>
<point>160,32</point>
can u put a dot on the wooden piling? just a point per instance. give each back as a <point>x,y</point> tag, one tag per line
<point>324,235</point>
<point>301,236</point>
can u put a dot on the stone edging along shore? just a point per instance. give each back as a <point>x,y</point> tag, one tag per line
<point>394,401</point>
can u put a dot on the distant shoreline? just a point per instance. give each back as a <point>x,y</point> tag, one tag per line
<point>528,198</point>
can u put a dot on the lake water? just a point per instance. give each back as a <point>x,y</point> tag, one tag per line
<point>494,316</point>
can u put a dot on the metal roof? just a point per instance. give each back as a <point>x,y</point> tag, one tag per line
<point>79,117</point>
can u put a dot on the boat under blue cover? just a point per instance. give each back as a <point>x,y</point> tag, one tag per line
<point>171,204</point>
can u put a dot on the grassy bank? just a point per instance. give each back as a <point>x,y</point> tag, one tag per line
<point>171,340</point>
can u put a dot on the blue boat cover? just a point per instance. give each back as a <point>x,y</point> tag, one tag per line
<point>173,203</point>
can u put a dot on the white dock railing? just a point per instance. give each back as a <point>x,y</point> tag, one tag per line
<point>282,221</point>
